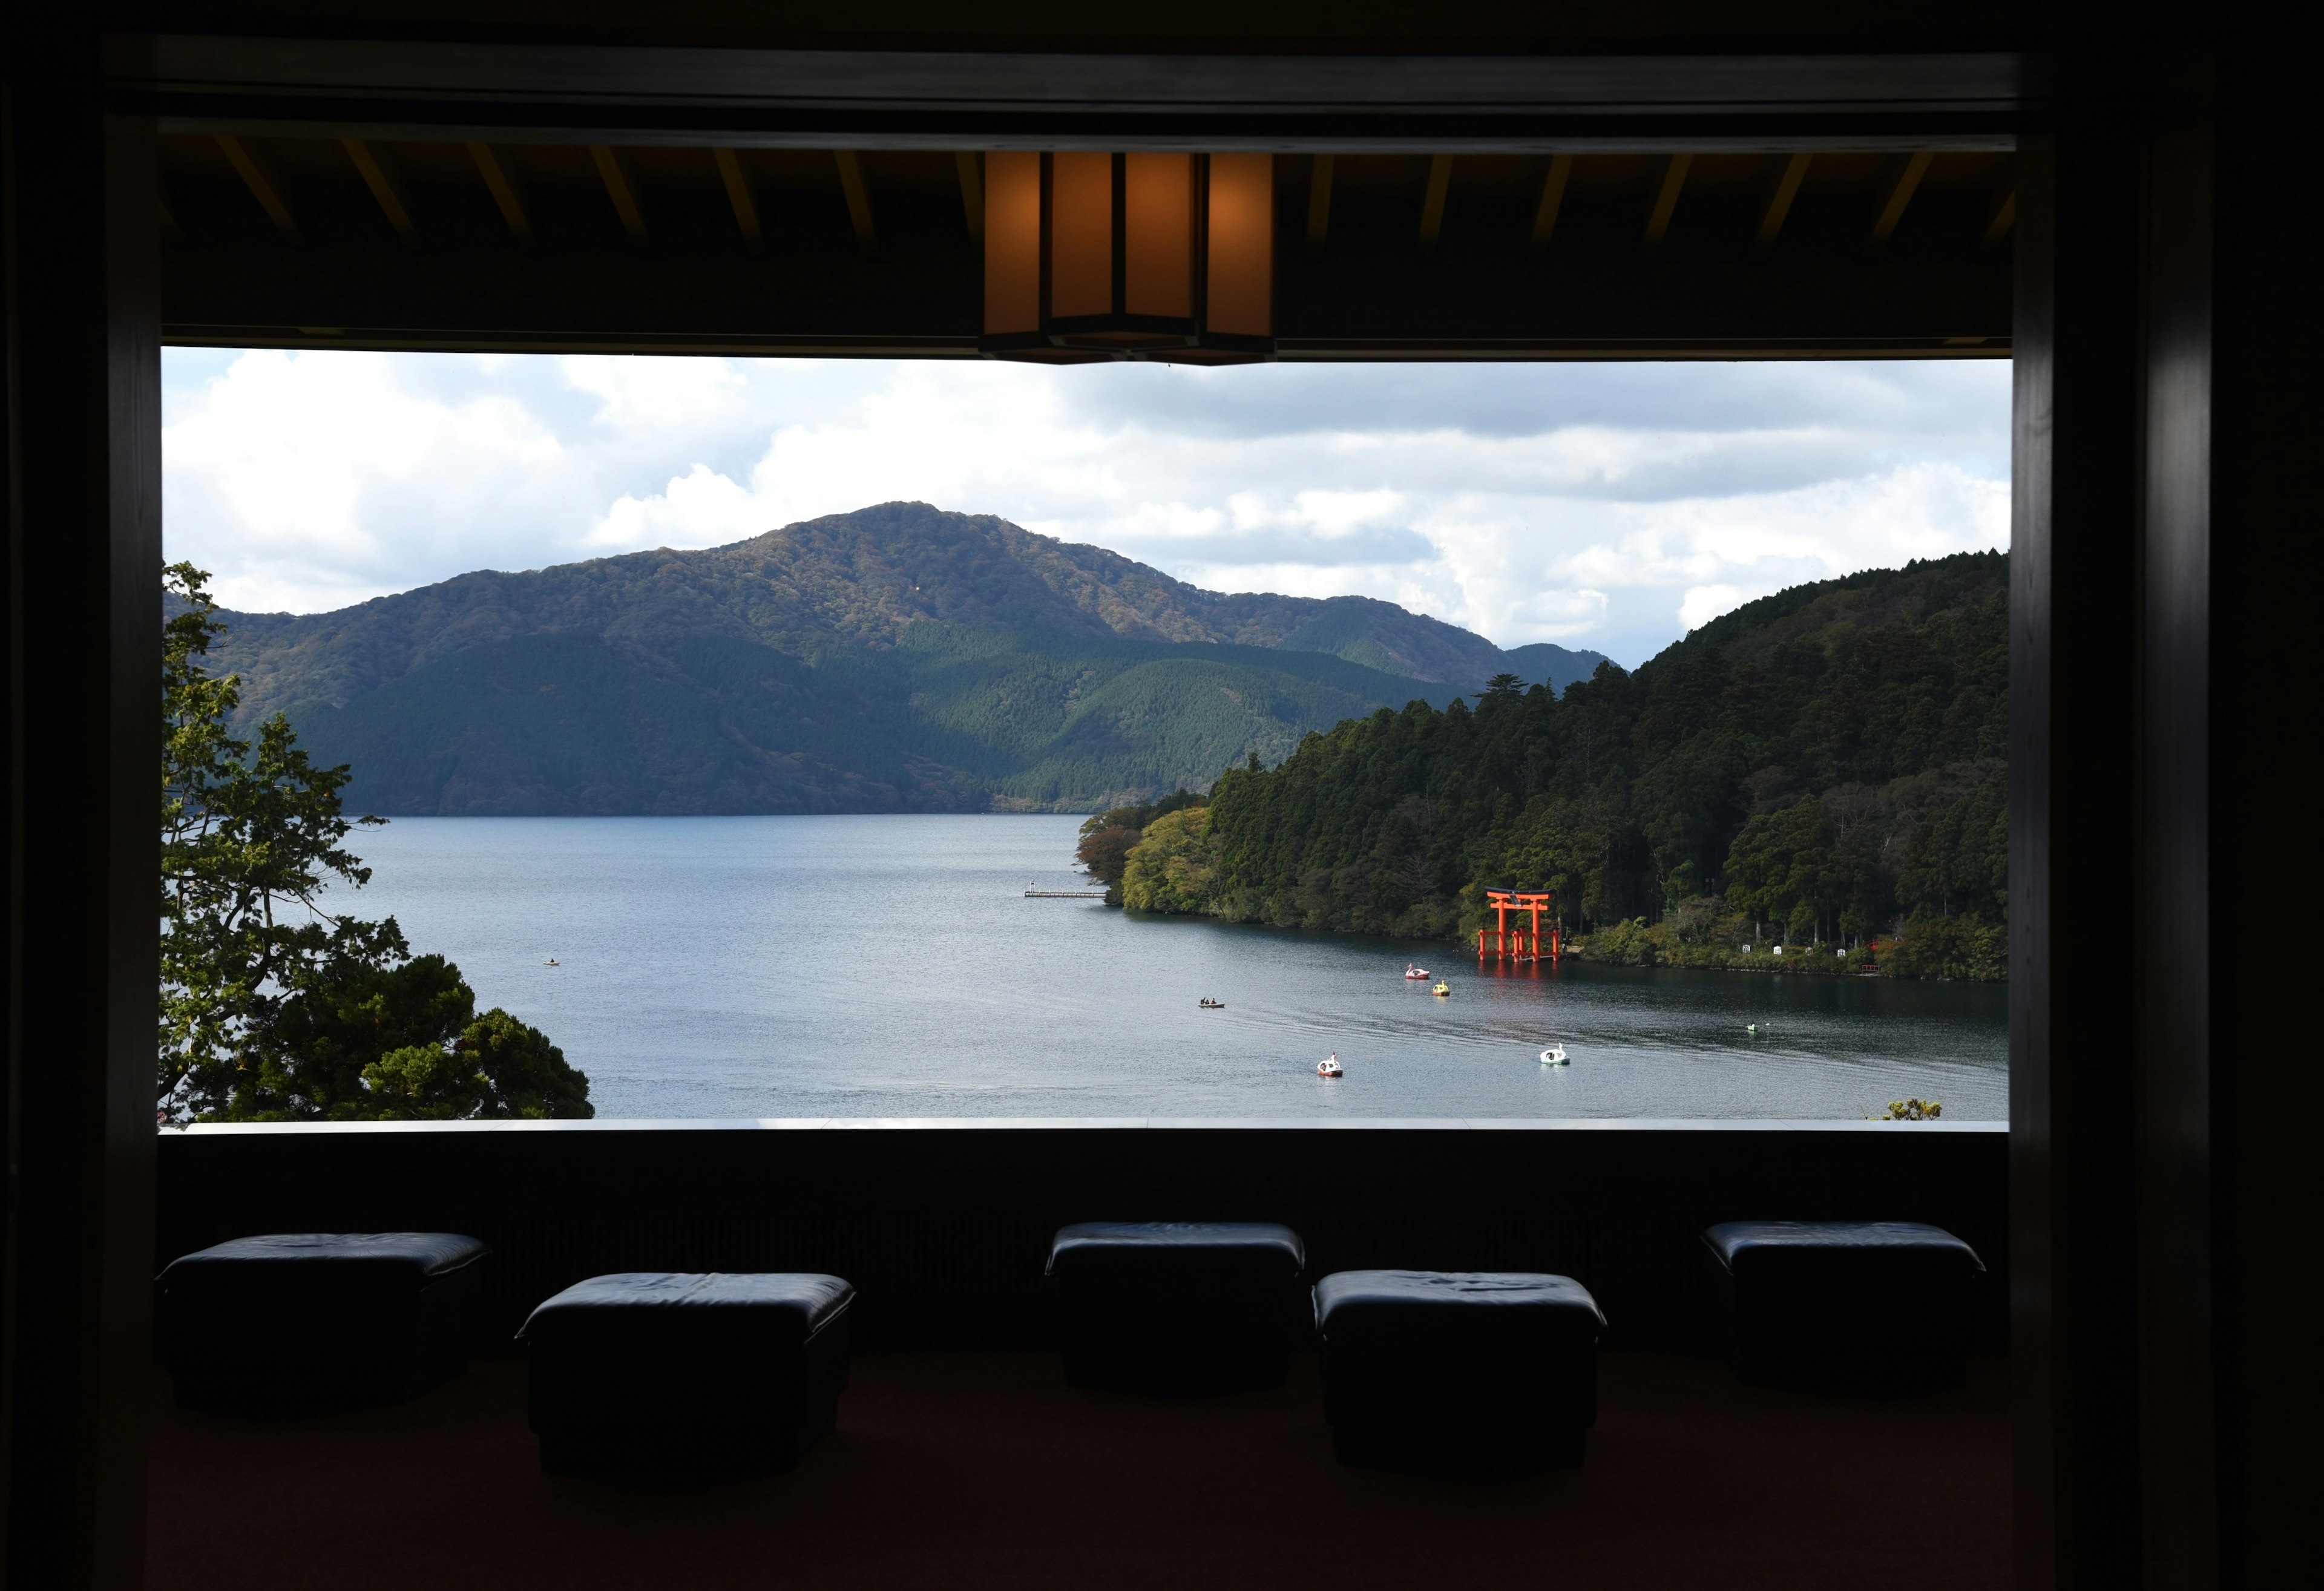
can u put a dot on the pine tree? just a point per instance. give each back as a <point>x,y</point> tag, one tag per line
<point>273,1008</point>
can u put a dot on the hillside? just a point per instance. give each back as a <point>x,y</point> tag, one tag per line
<point>897,658</point>
<point>1819,766</point>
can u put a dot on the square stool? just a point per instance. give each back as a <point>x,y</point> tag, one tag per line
<point>1882,1304</point>
<point>1459,1368</point>
<point>1191,1306</point>
<point>317,1320</point>
<point>653,1372</point>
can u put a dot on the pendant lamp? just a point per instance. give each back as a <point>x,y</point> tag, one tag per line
<point>1129,256</point>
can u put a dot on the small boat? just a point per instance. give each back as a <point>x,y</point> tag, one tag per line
<point>1416,974</point>
<point>1208,1004</point>
<point>1554,1056</point>
<point>1329,1066</point>
<point>1442,990</point>
<point>552,962</point>
<point>1752,1029</point>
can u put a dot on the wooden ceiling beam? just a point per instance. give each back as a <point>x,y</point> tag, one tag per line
<point>738,194</point>
<point>1552,197</point>
<point>1900,193</point>
<point>265,184</point>
<point>1779,199</point>
<point>972,192</point>
<point>1432,203</point>
<point>616,174</point>
<point>1658,219</point>
<point>1319,201</point>
<point>2004,216</point>
<point>504,191</point>
<point>378,171</point>
<point>859,196</point>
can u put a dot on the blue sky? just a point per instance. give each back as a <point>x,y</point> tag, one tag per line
<point>1606,506</point>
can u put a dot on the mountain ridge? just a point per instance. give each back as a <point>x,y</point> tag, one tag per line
<point>875,617</point>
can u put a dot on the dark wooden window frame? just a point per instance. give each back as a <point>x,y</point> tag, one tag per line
<point>2143,1316</point>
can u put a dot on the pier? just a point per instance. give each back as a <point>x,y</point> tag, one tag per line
<point>1032,894</point>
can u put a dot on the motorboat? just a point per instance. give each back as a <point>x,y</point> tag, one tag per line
<point>1416,974</point>
<point>1554,1056</point>
<point>1329,1066</point>
<point>1442,990</point>
<point>552,962</point>
<point>1210,1005</point>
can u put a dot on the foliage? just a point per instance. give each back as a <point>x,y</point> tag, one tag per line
<point>1812,768</point>
<point>1175,866</point>
<point>496,1067</point>
<point>404,1043</point>
<point>273,1009</point>
<point>1912,1110</point>
<point>1948,947</point>
<point>1107,836</point>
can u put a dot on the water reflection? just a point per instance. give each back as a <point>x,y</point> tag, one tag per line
<point>891,966</point>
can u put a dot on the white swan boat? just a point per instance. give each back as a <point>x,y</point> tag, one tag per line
<point>1329,1066</point>
<point>1416,974</point>
<point>1554,1056</point>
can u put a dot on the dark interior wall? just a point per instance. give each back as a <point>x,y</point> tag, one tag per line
<point>944,1228</point>
<point>83,848</point>
<point>2262,735</point>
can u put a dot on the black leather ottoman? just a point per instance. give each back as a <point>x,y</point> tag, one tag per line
<point>1177,1306</point>
<point>653,1373</point>
<point>1459,1369</point>
<point>1867,1305</point>
<point>317,1320</point>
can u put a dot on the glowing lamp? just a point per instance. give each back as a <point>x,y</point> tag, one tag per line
<point>1129,256</point>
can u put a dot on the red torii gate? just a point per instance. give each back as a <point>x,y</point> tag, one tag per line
<point>1521,944</point>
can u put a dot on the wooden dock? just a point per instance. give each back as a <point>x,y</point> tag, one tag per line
<point>1065,895</point>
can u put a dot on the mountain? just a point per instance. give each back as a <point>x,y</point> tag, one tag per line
<point>1828,760</point>
<point>897,658</point>
<point>1543,663</point>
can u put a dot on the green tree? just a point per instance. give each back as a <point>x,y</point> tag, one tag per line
<point>1175,868</point>
<point>1103,853</point>
<point>497,1067</point>
<point>1107,837</point>
<point>272,1007</point>
<point>1822,760</point>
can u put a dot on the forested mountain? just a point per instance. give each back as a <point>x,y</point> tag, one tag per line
<point>897,658</point>
<point>1819,765</point>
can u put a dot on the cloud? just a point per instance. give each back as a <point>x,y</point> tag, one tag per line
<point>1705,603</point>
<point>1609,506</point>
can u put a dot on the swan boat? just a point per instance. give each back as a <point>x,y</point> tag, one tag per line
<point>1554,1056</point>
<point>1329,1066</point>
<point>1416,974</point>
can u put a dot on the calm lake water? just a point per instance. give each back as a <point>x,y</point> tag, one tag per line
<point>892,967</point>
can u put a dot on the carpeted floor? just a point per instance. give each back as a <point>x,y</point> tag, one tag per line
<point>986,1470</point>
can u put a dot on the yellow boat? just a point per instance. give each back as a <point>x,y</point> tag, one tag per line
<point>1442,990</point>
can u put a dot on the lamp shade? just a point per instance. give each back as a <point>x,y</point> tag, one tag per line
<point>1129,256</point>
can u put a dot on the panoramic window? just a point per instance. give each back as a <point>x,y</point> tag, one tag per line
<point>849,739</point>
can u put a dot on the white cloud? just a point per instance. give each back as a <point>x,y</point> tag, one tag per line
<point>1528,502</point>
<point>1705,603</point>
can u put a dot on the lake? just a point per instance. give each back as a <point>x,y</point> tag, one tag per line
<point>879,966</point>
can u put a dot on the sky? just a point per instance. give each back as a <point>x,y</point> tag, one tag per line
<point>1612,507</point>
